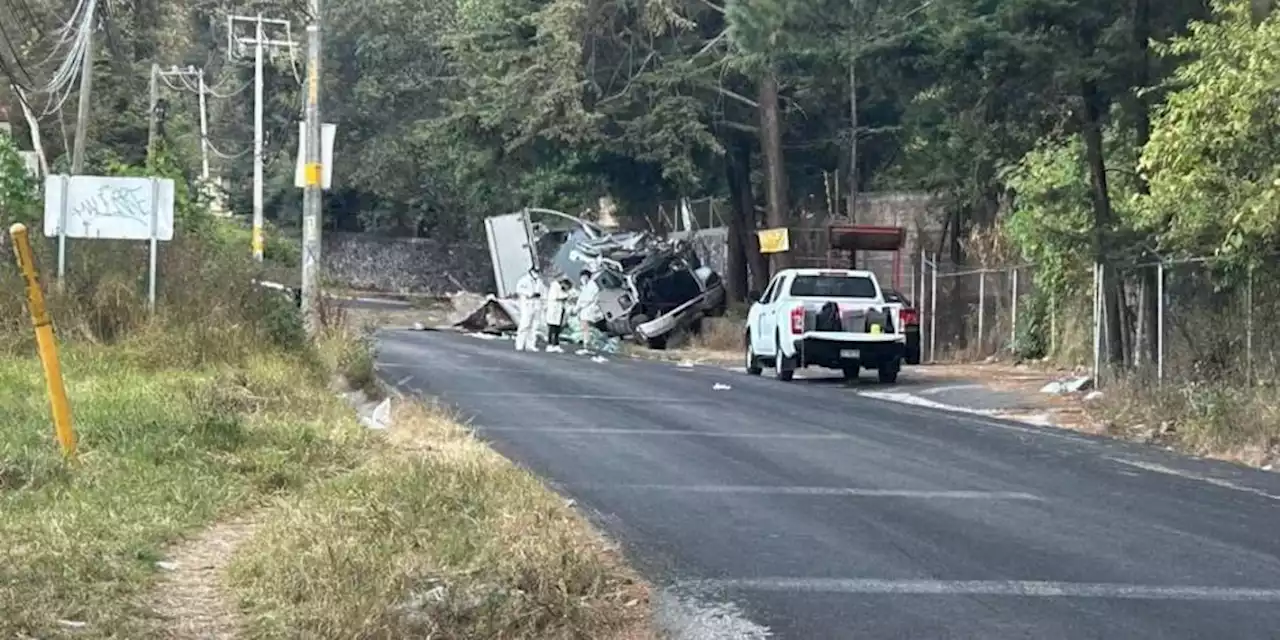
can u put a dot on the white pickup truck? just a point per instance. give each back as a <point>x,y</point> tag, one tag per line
<point>833,318</point>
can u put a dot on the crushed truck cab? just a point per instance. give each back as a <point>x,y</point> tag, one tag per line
<point>832,318</point>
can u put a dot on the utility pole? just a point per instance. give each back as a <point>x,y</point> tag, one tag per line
<point>153,115</point>
<point>313,194</point>
<point>258,204</point>
<point>86,87</point>
<point>204,129</point>
<point>260,44</point>
<point>190,72</point>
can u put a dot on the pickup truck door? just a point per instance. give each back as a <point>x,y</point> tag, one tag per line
<point>765,334</point>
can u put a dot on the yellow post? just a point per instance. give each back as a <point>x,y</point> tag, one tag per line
<point>46,343</point>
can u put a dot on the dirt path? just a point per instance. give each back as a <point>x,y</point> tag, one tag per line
<point>192,596</point>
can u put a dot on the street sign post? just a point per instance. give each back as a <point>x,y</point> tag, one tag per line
<point>109,208</point>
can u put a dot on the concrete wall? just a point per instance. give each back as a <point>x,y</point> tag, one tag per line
<point>406,265</point>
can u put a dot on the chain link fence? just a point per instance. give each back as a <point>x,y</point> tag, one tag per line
<point>1198,320</point>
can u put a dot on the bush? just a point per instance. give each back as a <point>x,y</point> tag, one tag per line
<point>1032,340</point>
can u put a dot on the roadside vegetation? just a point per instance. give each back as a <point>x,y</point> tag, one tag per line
<point>218,408</point>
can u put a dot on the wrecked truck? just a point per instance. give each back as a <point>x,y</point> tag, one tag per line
<point>650,287</point>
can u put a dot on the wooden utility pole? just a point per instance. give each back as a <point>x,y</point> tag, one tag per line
<point>86,87</point>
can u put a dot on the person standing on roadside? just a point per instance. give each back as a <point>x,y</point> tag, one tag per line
<point>529,293</point>
<point>554,313</point>
<point>588,308</point>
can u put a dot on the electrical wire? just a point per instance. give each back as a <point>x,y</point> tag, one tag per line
<point>61,86</point>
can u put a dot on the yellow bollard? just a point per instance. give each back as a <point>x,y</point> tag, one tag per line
<point>46,343</point>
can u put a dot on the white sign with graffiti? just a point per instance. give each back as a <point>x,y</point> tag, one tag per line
<point>108,208</point>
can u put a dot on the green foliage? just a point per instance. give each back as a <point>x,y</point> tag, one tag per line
<point>1212,159</point>
<point>19,191</point>
<point>1032,341</point>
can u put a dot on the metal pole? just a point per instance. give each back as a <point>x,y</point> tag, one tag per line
<point>933,314</point>
<point>204,130</point>
<point>257,142</point>
<point>982,311</point>
<point>1013,332</point>
<point>86,89</point>
<point>1160,322</point>
<point>1097,316</point>
<point>153,125</point>
<point>62,231</point>
<point>314,172</point>
<point>1248,329</point>
<point>155,223</point>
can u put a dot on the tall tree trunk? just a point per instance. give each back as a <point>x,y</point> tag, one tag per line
<point>1091,131</point>
<point>747,267</point>
<point>853,141</point>
<point>774,169</point>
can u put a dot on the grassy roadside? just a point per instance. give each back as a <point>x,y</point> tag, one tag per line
<point>435,536</point>
<point>165,450</point>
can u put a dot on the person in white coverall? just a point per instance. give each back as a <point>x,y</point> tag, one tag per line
<point>554,313</point>
<point>529,293</point>
<point>588,308</point>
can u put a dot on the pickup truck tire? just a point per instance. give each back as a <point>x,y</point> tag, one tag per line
<point>783,367</point>
<point>889,372</point>
<point>752,361</point>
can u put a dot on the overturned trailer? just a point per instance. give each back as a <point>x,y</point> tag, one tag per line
<point>649,287</point>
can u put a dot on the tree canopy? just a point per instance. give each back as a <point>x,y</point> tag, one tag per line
<point>1081,130</point>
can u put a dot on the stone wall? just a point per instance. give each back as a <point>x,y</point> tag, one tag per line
<point>370,262</point>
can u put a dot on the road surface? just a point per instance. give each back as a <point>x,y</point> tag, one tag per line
<point>807,511</point>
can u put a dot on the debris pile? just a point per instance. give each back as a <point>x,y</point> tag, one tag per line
<point>646,287</point>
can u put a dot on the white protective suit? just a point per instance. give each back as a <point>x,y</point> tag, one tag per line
<point>588,310</point>
<point>529,291</point>
<point>554,307</point>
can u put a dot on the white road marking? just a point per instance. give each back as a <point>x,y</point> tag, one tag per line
<point>1016,588</point>
<point>821,491</point>
<point>950,387</point>
<point>573,396</point>
<point>1225,484</point>
<point>666,432</point>
<point>403,381</point>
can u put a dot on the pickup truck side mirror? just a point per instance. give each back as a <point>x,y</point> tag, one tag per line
<point>753,296</point>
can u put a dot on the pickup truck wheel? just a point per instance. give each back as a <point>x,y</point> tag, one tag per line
<point>783,367</point>
<point>753,363</point>
<point>889,372</point>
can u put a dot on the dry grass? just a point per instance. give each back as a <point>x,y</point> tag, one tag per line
<point>1239,424</point>
<point>440,537</point>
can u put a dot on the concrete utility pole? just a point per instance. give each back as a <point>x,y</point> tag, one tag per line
<point>86,88</point>
<point>260,44</point>
<point>174,72</point>
<point>204,129</point>
<point>313,194</point>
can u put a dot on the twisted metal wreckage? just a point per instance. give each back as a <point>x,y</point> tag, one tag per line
<point>650,287</point>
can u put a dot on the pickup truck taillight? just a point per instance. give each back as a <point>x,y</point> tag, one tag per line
<point>908,316</point>
<point>797,320</point>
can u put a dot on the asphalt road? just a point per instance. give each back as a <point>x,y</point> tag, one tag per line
<point>805,510</point>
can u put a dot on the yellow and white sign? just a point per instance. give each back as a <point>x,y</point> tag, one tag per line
<point>774,240</point>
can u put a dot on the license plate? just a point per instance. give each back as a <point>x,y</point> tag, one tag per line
<point>849,354</point>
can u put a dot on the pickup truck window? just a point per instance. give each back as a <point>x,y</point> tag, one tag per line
<point>833,286</point>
